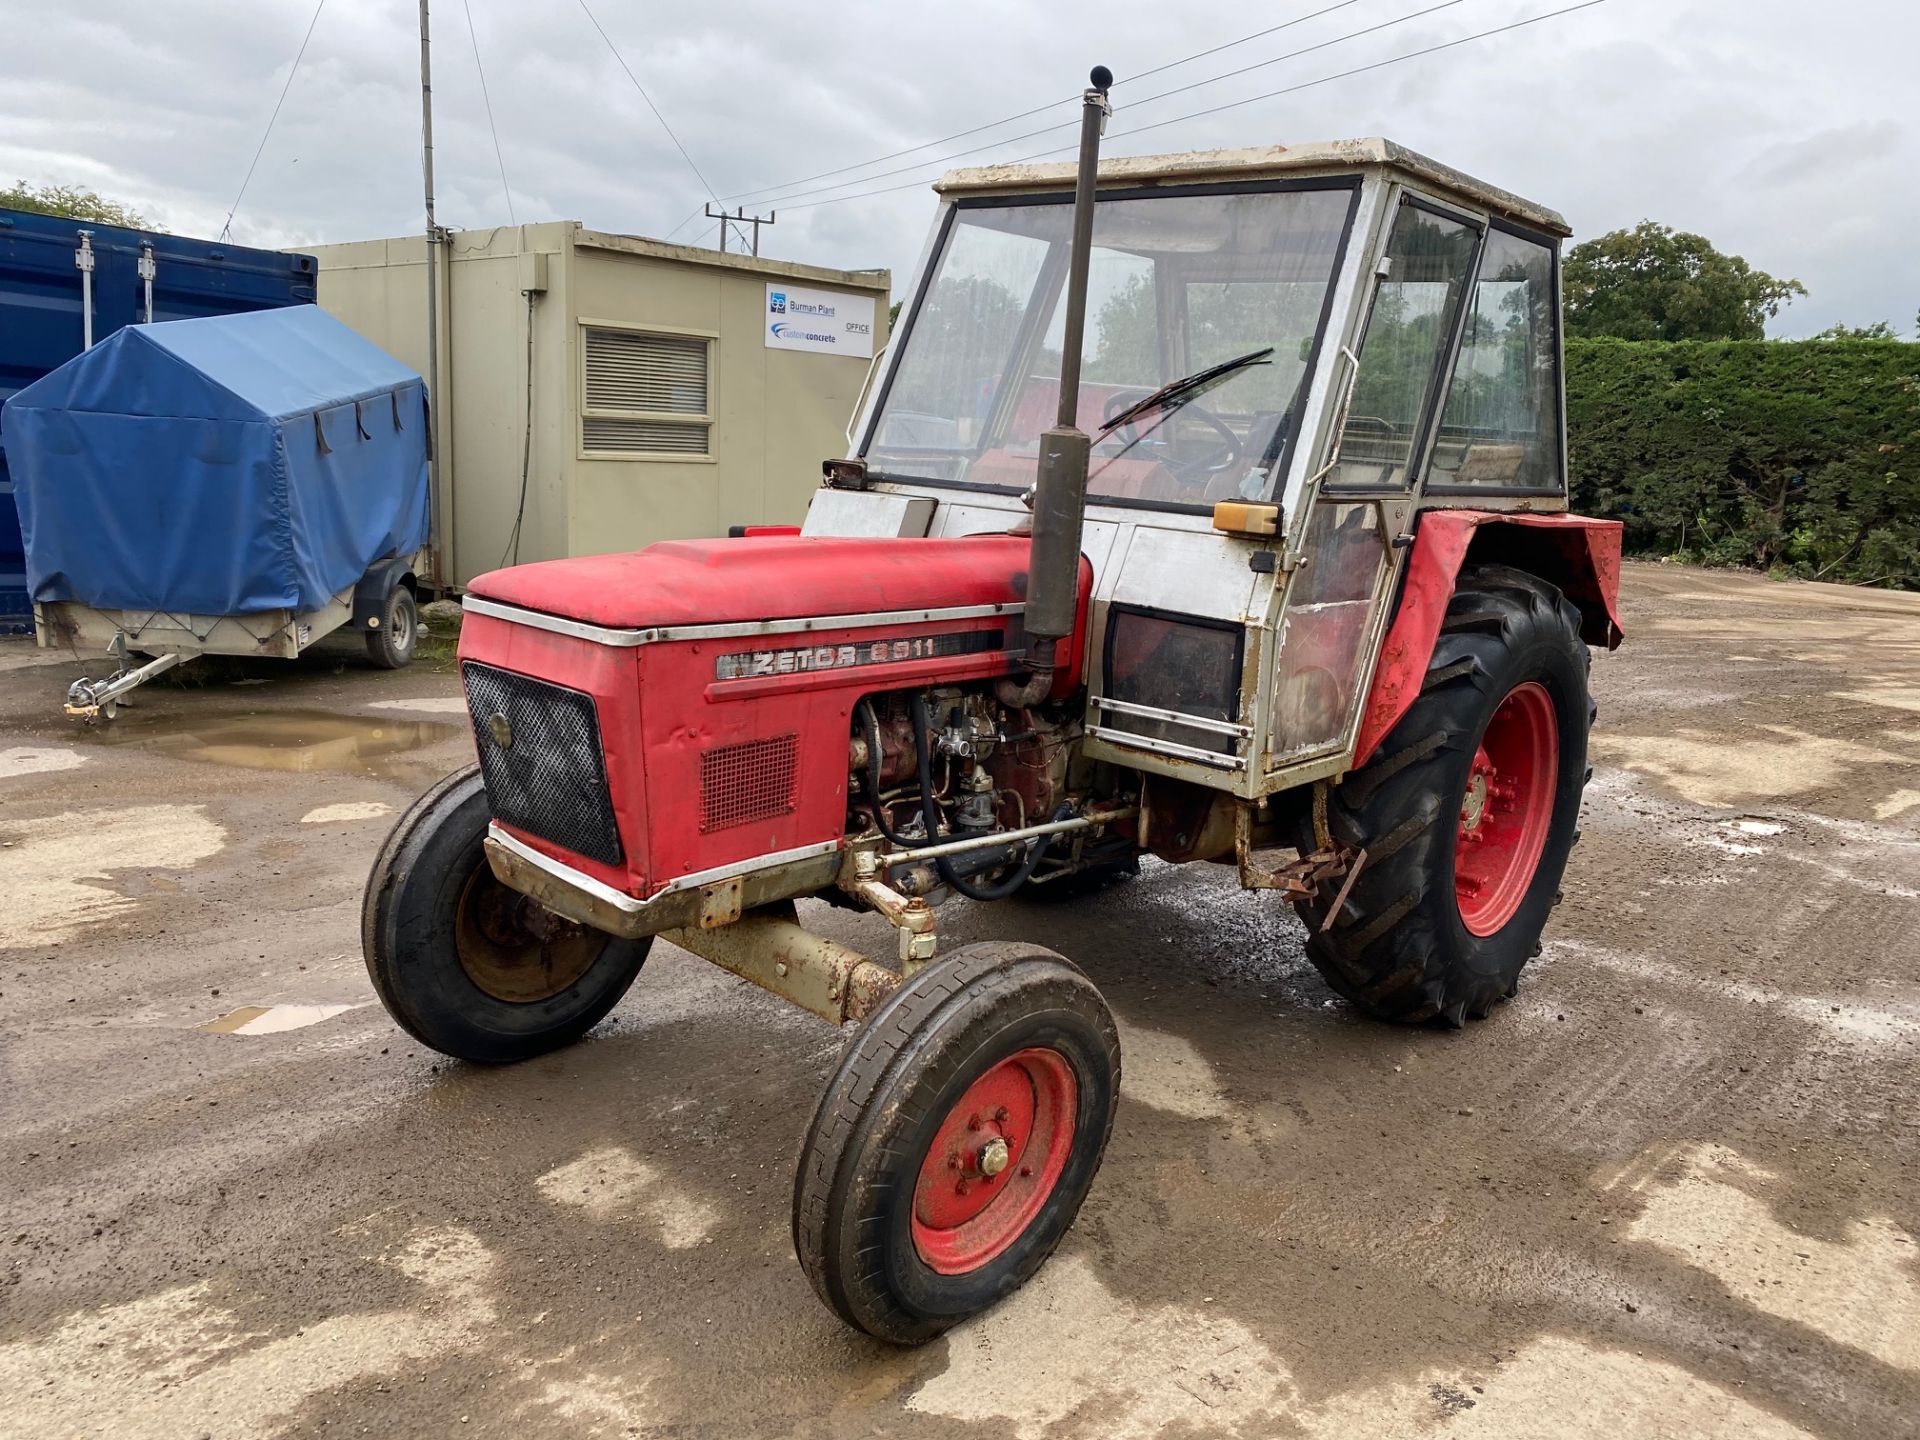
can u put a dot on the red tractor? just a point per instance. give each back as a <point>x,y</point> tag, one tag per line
<point>1290,571</point>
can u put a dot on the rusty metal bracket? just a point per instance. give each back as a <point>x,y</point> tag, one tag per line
<point>910,915</point>
<point>1302,878</point>
<point>772,949</point>
<point>720,903</point>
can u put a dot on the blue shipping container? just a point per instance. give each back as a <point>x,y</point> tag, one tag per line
<point>42,326</point>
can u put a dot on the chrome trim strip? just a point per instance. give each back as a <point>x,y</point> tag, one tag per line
<point>567,875</point>
<point>627,639</point>
<point>746,867</point>
<point>1175,717</point>
<point>626,903</point>
<point>1168,748</point>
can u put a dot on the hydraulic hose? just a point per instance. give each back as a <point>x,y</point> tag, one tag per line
<point>870,729</point>
<point>930,813</point>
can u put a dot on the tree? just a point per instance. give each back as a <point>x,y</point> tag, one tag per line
<point>1656,283</point>
<point>1878,330</point>
<point>75,202</point>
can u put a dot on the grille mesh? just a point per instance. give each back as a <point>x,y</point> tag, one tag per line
<point>746,782</point>
<point>551,781</point>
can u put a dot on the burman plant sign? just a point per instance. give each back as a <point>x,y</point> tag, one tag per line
<point>823,322</point>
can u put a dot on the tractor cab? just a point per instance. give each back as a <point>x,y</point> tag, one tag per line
<point>1288,352</point>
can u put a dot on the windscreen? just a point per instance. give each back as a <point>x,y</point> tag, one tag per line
<point>1177,283</point>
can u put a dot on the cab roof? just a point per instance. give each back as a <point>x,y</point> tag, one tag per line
<point>1261,162</point>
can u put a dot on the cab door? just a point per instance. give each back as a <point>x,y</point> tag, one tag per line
<point>1360,502</point>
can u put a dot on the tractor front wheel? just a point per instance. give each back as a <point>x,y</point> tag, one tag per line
<point>467,966</point>
<point>957,1140</point>
<point>1467,812</point>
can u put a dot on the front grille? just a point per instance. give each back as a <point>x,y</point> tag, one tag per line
<point>548,777</point>
<point>746,782</point>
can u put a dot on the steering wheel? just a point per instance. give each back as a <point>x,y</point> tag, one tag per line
<point>1194,469</point>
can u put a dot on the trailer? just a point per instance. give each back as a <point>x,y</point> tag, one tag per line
<point>66,285</point>
<point>236,485</point>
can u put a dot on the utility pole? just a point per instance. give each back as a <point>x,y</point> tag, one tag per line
<point>438,538</point>
<point>740,217</point>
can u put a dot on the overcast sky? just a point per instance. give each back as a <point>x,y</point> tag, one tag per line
<point>1784,132</point>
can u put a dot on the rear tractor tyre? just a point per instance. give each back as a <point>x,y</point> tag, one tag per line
<point>1467,812</point>
<point>957,1140</point>
<point>391,644</point>
<point>465,965</point>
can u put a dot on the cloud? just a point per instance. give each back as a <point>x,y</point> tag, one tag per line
<point>1785,140</point>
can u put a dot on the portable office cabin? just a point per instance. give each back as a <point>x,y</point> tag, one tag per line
<point>653,391</point>
<point>50,300</point>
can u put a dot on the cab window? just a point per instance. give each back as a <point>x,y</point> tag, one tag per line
<point>1428,263</point>
<point>1501,427</point>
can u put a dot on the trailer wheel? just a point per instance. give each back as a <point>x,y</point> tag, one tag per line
<point>391,643</point>
<point>1467,812</point>
<point>467,966</point>
<point>957,1140</point>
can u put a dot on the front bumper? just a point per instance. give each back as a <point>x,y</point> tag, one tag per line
<point>702,901</point>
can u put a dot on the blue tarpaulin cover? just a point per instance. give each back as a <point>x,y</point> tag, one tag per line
<point>220,466</point>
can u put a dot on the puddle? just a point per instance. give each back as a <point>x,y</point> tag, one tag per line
<point>297,740</point>
<point>430,705</point>
<point>272,1019</point>
<point>354,810</point>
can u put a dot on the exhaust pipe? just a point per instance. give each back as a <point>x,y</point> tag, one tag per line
<point>1060,485</point>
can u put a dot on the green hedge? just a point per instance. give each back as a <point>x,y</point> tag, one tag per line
<point>1799,456</point>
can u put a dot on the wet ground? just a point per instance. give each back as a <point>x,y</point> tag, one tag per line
<point>1672,1190</point>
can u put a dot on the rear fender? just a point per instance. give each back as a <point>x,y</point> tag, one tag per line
<point>1580,556</point>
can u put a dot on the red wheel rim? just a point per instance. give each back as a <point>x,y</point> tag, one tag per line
<point>1507,809</point>
<point>994,1161</point>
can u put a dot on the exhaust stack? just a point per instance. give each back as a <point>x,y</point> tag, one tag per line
<point>1060,486</point>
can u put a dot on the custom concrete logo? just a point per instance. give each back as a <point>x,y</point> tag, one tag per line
<point>827,322</point>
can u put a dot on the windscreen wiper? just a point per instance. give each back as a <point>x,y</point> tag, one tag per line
<point>1178,391</point>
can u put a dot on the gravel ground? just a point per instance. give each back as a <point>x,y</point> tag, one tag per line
<point>1672,1189</point>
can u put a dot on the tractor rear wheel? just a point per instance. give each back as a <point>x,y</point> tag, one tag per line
<point>959,1136</point>
<point>1467,812</point>
<point>467,966</point>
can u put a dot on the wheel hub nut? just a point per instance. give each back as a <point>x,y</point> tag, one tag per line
<point>1475,804</point>
<point>993,1157</point>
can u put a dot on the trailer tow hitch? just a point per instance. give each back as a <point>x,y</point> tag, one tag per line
<point>93,700</point>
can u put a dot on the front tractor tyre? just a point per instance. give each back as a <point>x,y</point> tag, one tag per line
<point>1467,812</point>
<point>467,966</point>
<point>957,1140</point>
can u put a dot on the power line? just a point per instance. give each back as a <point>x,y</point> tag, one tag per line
<point>1148,100</point>
<point>1250,100</point>
<point>1044,109</point>
<point>264,134</point>
<point>649,99</point>
<point>487,100</point>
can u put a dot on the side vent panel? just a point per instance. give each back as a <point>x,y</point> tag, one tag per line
<point>740,784</point>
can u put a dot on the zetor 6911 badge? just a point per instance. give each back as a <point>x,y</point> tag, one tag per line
<point>1205,506</point>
